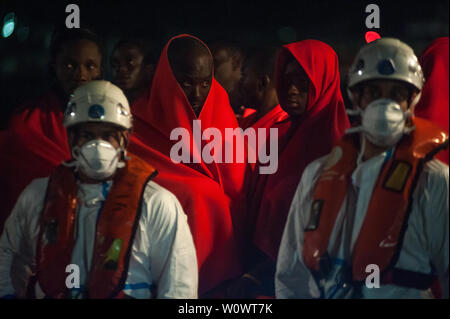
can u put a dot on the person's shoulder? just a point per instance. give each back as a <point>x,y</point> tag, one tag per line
<point>436,166</point>
<point>435,171</point>
<point>161,201</point>
<point>309,178</point>
<point>431,194</point>
<point>315,167</point>
<point>33,196</point>
<point>37,186</point>
<point>433,183</point>
<point>157,193</point>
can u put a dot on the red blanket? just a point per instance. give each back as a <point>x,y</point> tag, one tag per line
<point>434,104</point>
<point>212,194</point>
<point>323,123</point>
<point>268,120</point>
<point>34,143</point>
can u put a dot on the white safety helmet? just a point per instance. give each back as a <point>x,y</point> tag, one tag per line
<point>98,101</point>
<point>386,58</point>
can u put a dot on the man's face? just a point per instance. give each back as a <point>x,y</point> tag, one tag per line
<point>249,87</point>
<point>103,131</point>
<point>127,68</point>
<point>194,75</point>
<point>388,89</point>
<point>228,72</point>
<point>294,89</point>
<point>77,63</point>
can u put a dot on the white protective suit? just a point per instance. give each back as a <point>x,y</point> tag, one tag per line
<point>163,259</point>
<point>426,239</point>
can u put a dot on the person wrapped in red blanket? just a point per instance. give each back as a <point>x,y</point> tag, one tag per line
<point>35,141</point>
<point>211,193</point>
<point>258,90</point>
<point>308,88</point>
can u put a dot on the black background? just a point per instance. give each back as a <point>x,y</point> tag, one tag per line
<point>24,55</point>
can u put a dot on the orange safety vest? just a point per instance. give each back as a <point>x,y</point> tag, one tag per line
<point>116,226</point>
<point>381,234</point>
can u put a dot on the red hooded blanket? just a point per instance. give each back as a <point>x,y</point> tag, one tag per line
<point>433,104</point>
<point>323,123</point>
<point>212,194</point>
<point>34,143</point>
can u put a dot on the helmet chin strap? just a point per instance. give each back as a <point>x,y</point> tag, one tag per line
<point>354,112</point>
<point>416,100</point>
<point>362,150</point>
<point>121,164</point>
<point>350,95</point>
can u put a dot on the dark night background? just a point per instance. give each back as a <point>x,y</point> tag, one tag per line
<point>23,55</point>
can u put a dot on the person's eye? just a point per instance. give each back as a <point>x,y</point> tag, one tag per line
<point>108,136</point>
<point>373,93</point>
<point>131,62</point>
<point>85,136</point>
<point>186,84</point>
<point>205,84</point>
<point>69,65</point>
<point>92,66</point>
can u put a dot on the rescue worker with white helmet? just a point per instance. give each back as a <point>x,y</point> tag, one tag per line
<point>371,219</point>
<point>98,226</point>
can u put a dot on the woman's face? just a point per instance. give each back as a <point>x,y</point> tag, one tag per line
<point>294,89</point>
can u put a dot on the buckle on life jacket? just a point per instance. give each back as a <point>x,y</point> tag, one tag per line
<point>314,218</point>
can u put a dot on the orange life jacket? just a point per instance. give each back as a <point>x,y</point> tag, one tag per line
<point>114,236</point>
<point>382,231</point>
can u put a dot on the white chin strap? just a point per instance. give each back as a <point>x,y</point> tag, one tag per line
<point>121,164</point>
<point>71,164</point>
<point>416,100</point>
<point>355,129</point>
<point>362,150</point>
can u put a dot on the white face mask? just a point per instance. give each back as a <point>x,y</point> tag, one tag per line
<point>383,122</point>
<point>97,159</point>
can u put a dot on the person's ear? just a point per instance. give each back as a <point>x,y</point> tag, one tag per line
<point>126,137</point>
<point>260,84</point>
<point>265,81</point>
<point>236,62</point>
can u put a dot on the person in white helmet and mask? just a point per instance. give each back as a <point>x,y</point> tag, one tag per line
<point>371,219</point>
<point>98,226</point>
